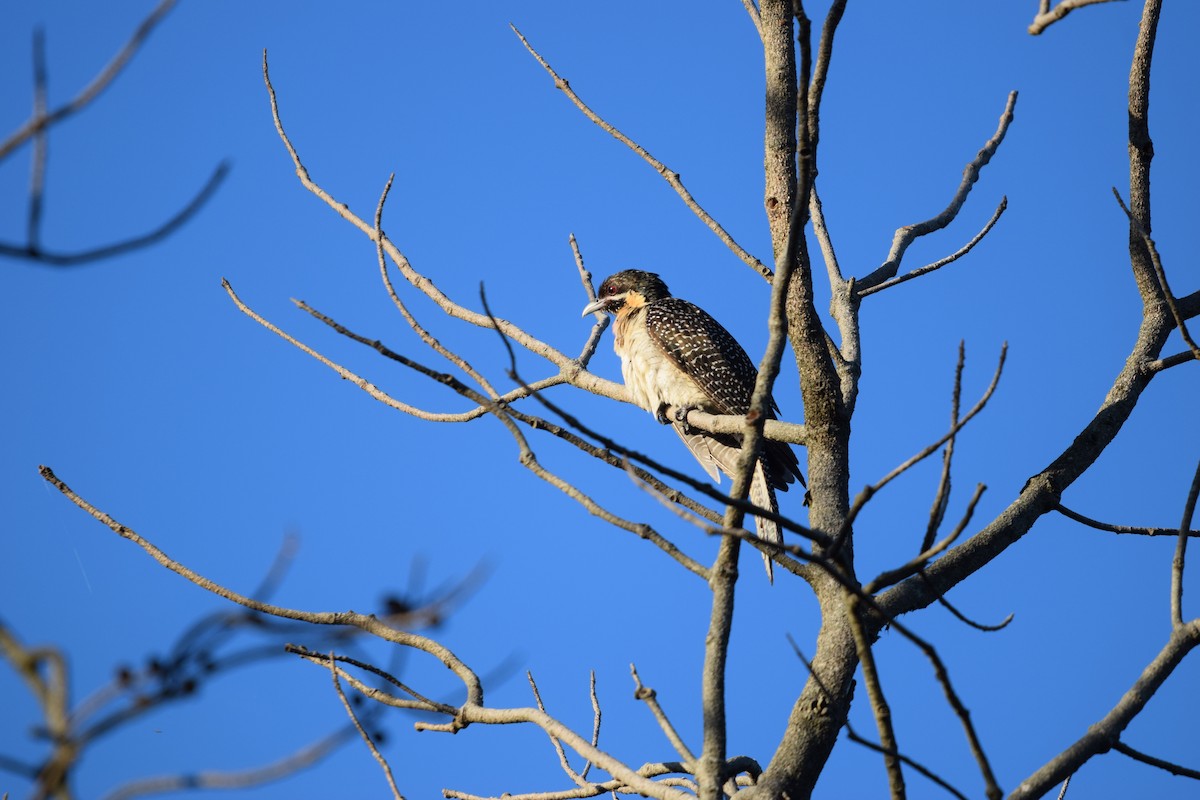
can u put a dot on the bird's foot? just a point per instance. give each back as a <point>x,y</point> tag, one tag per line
<point>681,415</point>
<point>660,414</point>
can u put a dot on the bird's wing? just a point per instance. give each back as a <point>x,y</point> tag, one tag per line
<point>709,355</point>
<point>704,351</point>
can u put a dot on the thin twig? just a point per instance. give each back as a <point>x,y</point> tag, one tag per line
<point>426,336</point>
<point>595,720</point>
<point>752,10</point>
<point>1047,17</point>
<point>879,705</point>
<point>670,176</point>
<point>422,702</point>
<point>383,764</point>
<point>1177,560</point>
<point>537,423</point>
<point>1105,526</point>
<point>962,251</point>
<point>365,622</point>
<point>1161,273</point>
<point>907,234</point>
<point>941,499</point>
<point>585,277</point>
<point>650,698</point>
<point>894,576</point>
<point>857,739</point>
<point>1174,769</point>
<point>868,492</point>
<point>558,748</point>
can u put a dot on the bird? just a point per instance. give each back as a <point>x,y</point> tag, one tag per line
<point>674,354</point>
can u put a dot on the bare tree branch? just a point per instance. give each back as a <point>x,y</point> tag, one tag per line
<point>879,705</point>
<point>1174,769</point>
<point>558,748</point>
<point>909,233</point>
<point>1189,508</point>
<point>383,764</point>
<point>752,10</point>
<point>1101,735</point>
<point>366,622</point>
<point>868,492</point>
<point>650,698</point>
<point>669,175</point>
<point>1104,526</point>
<point>1047,16</point>
<point>1161,274</point>
<point>962,251</point>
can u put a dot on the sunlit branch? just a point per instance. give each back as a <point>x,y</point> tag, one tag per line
<point>868,492</point>
<point>383,764</point>
<point>1161,274</point>
<point>962,251</point>
<point>558,748</point>
<point>909,233</point>
<point>1047,16</point>
<point>366,622</point>
<point>669,175</point>
<point>1100,736</point>
<point>650,698</point>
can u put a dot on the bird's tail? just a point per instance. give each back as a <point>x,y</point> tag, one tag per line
<point>762,495</point>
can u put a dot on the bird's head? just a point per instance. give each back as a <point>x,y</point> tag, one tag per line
<point>630,288</point>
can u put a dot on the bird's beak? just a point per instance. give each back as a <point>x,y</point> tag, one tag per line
<point>592,308</point>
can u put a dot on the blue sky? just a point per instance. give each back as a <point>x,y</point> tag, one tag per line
<point>147,391</point>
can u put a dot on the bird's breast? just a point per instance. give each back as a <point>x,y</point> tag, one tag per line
<point>650,376</point>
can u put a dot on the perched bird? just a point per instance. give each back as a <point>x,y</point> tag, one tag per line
<point>674,354</point>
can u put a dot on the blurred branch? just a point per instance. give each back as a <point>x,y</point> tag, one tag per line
<point>40,122</point>
<point>291,764</point>
<point>37,129</point>
<point>37,168</point>
<point>33,253</point>
<point>368,623</point>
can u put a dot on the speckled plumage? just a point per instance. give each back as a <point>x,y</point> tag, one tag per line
<point>674,354</point>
